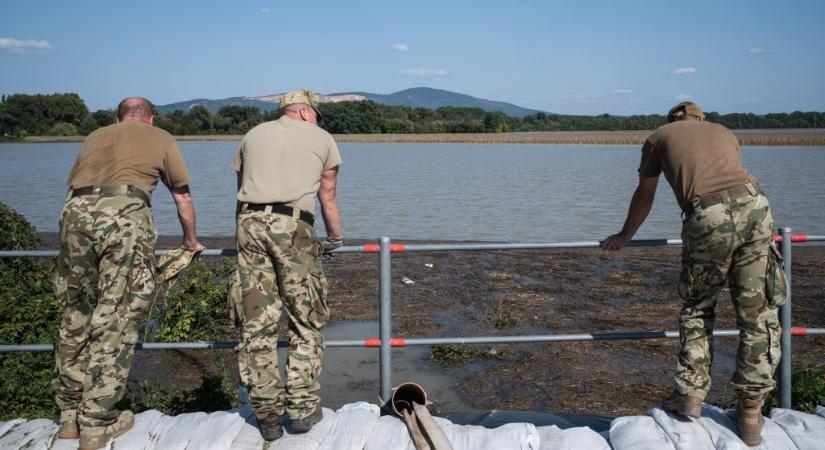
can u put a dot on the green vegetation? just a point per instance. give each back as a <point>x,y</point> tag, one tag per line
<point>29,316</point>
<point>807,390</point>
<point>194,308</point>
<point>24,115</point>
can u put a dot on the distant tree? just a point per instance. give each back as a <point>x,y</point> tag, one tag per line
<point>87,125</point>
<point>63,129</point>
<point>104,117</point>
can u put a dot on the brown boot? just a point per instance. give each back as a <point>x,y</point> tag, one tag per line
<point>68,425</point>
<point>683,404</point>
<point>749,420</point>
<point>94,438</point>
<point>272,427</point>
<point>305,424</point>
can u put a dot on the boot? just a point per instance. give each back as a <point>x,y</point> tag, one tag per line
<point>682,404</point>
<point>749,420</point>
<point>68,425</point>
<point>94,438</point>
<point>305,424</point>
<point>272,427</point>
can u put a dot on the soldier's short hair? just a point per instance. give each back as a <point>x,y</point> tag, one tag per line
<point>683,109</point>
<point>135,106</point>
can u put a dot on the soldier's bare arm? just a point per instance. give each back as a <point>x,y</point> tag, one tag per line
<point>637,212</point>
<point>186,215</point>
<point>329,207</point>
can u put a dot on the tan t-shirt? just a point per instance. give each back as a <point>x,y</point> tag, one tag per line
<point>129,152</point>
<point>696,158</point>
<point>282,161</point>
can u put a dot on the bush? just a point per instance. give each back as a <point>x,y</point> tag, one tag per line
<point>63,129</point>
<point>29,316</point>
<point>194,308</point>
<point>807,389</point>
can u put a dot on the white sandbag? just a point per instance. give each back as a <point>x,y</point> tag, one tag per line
<point>217,431</point>
<point>637,433</point>
<point>516,436</point>
<point>721,428</point>
<point>583,437</point>
<point>807,431</point>
<point>249,436</point>
<point>176,433</point>
<point>6,427</point>
<point>820,411</point>
<point>684,433</point>
<point>551,437</point>
<point>144,434</point>
<point>389,433</point>
<point>353,424</point>
<point>32,434</point>
<point>310,440</point>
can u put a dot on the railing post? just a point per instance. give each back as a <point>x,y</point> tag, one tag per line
<point>785,321</point>
<point>385,317</point>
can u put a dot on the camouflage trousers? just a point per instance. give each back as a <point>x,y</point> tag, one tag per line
<point>103,281</point>
<point>279,265</point>
<point>728,243</point>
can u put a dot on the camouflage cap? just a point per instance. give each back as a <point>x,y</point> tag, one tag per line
<point>684,109</point>
<point>304,96</point>
<point>172,262</point>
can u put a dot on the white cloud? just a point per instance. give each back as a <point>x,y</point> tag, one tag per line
<point>19,47</point>
<point>756,51</point>
<point>684,71</point>
<point>683,97</point>
<point>400,47</point>
<point>434,73</point>
<point>266,10</point>
<point>622,91</point>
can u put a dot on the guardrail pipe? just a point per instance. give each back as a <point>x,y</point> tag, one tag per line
<point>785,321</point>
<point>385,317</point>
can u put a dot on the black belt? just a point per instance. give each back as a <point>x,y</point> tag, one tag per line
<point>715,198</point>
<point>112,189</point>
<point>280,208</point>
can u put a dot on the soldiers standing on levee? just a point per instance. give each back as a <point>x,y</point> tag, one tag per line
<point>727,237</point>
<point>104,278</point>
<point>282,165</point>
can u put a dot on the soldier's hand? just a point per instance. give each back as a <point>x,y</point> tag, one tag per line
<point>192,246</point>
<point>614,242</point>
<point>331,243</point>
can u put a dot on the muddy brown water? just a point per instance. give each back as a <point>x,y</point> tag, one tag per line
<point>514,293</point>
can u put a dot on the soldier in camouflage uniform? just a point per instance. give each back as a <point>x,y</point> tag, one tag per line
<point>105,273</point>
<point>282,166</point>
<point>727,237</point>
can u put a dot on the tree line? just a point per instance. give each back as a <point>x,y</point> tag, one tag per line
<point>24,115</point>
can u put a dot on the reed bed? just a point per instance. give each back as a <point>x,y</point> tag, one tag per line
<point>814,137</point>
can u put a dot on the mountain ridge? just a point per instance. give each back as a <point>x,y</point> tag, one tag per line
<point>417,97</point>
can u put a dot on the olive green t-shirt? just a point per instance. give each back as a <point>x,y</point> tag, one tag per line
<point>282,161</point>
<point>129,152</point>
<point>696,157</point>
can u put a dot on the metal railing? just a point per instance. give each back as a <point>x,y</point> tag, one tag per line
<point>385,342</point>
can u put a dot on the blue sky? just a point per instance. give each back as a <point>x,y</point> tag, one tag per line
<point>580,57</point>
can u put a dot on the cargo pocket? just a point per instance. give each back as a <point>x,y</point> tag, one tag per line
<point>776,284</point>
<point>319,314</point>
<point>234,299</point>
<point>305,241</point>
<point>774,337</point>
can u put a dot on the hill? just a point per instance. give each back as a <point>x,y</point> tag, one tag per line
<point>419,97</point>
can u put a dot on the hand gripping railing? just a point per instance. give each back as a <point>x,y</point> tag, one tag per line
<point>385,341</point>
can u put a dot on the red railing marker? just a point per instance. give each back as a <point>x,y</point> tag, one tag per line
<point>795,237</point>
<point>799,331</point>
<point>375,248</point>
<point>394,342</point>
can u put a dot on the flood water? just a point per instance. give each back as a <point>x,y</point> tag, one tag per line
<point>491,192</point>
